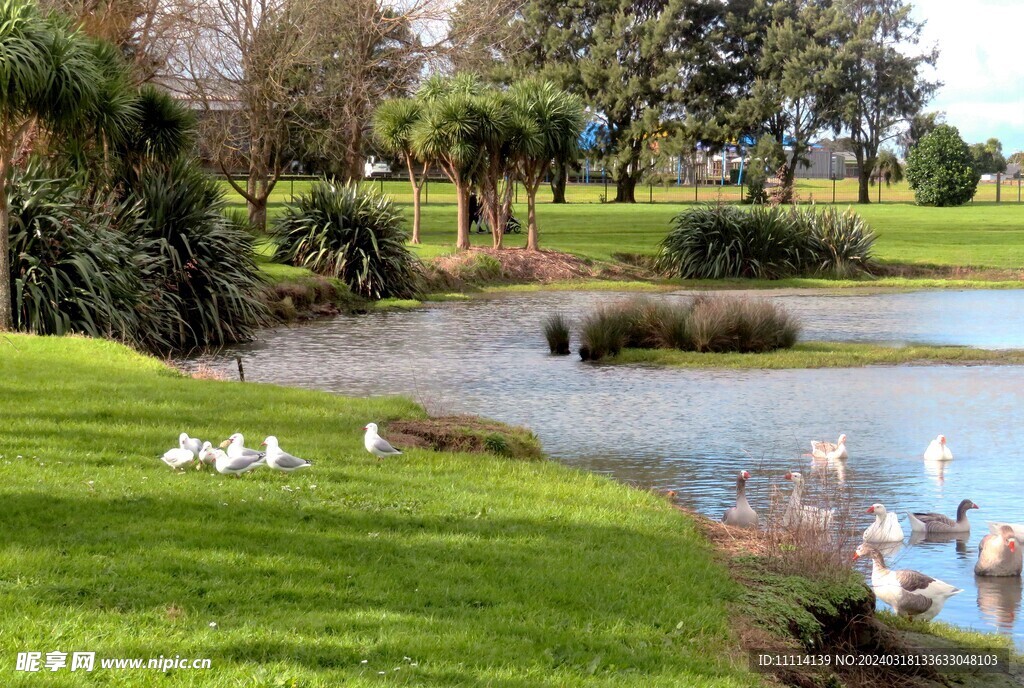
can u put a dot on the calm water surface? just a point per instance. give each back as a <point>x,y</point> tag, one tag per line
<point>691,430</point>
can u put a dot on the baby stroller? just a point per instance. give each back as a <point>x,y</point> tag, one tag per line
<point>512,225</point>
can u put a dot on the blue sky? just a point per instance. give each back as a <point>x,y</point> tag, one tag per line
<point>981,63</point>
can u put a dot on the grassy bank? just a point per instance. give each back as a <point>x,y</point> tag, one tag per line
<point>428,569</point>
<point>822,355</point>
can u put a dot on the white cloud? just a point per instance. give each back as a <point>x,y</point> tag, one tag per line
<point>981,65</point>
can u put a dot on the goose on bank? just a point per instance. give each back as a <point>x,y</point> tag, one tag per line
<point>741,515</point>
<point>909,593</point>
<point>799,516</point>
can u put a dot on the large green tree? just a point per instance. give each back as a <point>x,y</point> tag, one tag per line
<point>641,67</point>
<point>52,80</point>
<point>796,91</point>
<point>988,157</point>
<point>394,123</point>
<point>884,85</point>
<point>940,169</point>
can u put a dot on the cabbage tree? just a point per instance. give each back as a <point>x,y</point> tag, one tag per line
<point>393,126</point>
<point>557,119</point>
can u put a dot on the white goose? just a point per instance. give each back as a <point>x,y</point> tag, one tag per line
<point>934,523</point>
<point>741,515</point>
<point>909,593</point>
<point>886,527</point>
<point>999,554</point>
<point>828,451</point>
<point>937,450</point>
<point>797,515</point>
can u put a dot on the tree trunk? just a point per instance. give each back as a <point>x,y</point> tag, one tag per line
<point>256,186</point>
<point>462,191</point>
<point>532,242</point>
<point>6,297</point>
<point>559,179</point>
<point>416,213</point>
<point>864,183</point>
<point>625,188</point>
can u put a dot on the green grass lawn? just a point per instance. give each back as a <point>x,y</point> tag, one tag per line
<point>983,235</point>
<point>431,569</point>
<point>821,355</point>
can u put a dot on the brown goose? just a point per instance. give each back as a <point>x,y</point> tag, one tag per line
<point>909,593</point>
<point>999,555</point>
<point>741,515</point>
<point>937,523</point>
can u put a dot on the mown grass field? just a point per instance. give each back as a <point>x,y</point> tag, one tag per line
<point>979,235</point>
<point>431,569</point>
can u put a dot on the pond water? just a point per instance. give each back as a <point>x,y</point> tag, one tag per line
<point>690,430</point>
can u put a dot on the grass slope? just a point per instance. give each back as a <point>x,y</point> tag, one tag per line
<point>433,568</point>
<point>821,355</point>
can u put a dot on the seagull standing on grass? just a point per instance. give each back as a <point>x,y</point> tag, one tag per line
<point>208,455</point>
<point>238,465</point>
<point>178,458</point>
<point>280,460</point>
<point>377,445</point>
<point>191,443</point>
<point>238,450</point>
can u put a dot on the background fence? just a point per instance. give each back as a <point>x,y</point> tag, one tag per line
<point>823,191</point>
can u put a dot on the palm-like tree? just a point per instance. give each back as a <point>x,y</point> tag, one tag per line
<point>450,133</point>
<point>51,78</point>
<point>558,119</point>
<point>888,167</point>
<point>393,125</point>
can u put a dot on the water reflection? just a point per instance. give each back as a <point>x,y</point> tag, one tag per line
<point>691,430</point>
<point>999,599</point>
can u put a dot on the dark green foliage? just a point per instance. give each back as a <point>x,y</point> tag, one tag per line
<point>708,323</point>
<point>556,331</point>
<point>721,241</point>
<point>163,131</point>
<point>355,235</point>
<point>940,169</point>
<point>198,255</point>
<point>718,241</point>
<point>74,266</point>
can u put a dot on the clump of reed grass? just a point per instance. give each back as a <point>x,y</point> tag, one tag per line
<point>707,323</point>
<point>557,332</point>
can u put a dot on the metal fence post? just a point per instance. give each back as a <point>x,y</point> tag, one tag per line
<point>293,189</point>
<point>605,178</point>
<point>833,190</point>
<point>879,188</point>
<point>650,192</point>
<point>382,186</point>
<point>999,187</point>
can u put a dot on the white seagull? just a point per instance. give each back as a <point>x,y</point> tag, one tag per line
<point>238,465</point>
<point>178,457</point>
<point>377,445</point>
<point>208,455</point>
<point>280,460</point>
<point>238,450</point>
<point>191,443</point>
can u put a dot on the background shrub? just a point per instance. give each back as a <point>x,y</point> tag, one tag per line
<point>352,234</point>
<point>719,241</point>
<point>940,169</point>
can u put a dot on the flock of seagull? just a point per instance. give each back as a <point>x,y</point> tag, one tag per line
<point>909,593</point>
<point>232,457</point>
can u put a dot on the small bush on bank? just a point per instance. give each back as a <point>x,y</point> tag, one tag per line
<point>707,323</point>
<point>556,331</point>
<point>355,235</point>
<point>722,241</point>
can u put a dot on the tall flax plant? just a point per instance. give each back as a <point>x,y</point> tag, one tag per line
<point>352,234</point>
